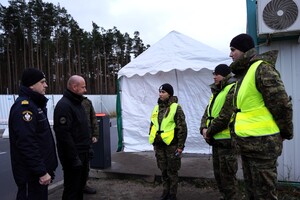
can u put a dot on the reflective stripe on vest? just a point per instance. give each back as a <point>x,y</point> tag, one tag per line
<point>254,118</point>
<point>215,110</point>
<point>167,126</point>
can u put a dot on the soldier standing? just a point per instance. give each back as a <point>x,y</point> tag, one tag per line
<point>168,132</point>
<point>263,116</point>
<point>94,135</point>
<point>215,130</point>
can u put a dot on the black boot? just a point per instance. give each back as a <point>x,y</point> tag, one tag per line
<point>165,195</point>
<point>89,190</point>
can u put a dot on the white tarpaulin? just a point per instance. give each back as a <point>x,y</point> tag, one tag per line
<point>184,63</point>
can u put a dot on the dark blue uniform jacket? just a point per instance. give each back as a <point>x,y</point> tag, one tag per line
<point>32,147</point>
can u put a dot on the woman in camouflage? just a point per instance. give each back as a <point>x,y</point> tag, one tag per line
<point>168,132</point>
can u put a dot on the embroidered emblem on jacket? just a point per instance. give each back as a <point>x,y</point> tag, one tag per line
<point>27,115</point>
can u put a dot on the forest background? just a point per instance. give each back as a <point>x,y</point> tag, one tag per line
<point>43,35</point>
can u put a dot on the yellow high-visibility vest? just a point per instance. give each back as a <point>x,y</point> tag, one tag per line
<point>253,117</point>
<point>215,110</point>
<point>167,126</point>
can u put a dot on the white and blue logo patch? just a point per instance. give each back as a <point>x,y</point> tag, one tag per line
<point>27,115</point>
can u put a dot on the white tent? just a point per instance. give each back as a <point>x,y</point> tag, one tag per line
<point>187,65</point>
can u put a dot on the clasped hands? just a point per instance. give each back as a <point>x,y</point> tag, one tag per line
<point>207,138</point>
<point>45,180</point>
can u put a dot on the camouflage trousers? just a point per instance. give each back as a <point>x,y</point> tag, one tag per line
<point>259,160</point>
<point>169,164</point>
<point>225,167</point>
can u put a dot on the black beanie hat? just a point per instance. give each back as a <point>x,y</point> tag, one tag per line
<point>168,88</point>
<point>31,76</point>
<point>222,69</point>
<point>242,42</point>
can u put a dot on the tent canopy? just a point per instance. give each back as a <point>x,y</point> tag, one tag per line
<point>184,63</point>
<point>174,51</point>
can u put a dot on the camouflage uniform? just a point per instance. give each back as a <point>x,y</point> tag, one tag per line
<point>167,161</point>
<point>223,150</point>
<point>93,129</point>
<point>259,154</point>
<point>92,119</point>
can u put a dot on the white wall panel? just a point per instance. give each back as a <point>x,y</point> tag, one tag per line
<point>288,64</point>
<point>102,104</point>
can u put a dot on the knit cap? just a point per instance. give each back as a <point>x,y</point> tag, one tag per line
<point>222,69</point>
<point>168,88</point>
<point>31,76</point>
<point>242,42</point>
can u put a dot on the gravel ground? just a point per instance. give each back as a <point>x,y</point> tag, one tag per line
<point>116,189</point>
<point>139,189</point>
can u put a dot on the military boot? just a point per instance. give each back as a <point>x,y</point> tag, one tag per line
<point>89,190</point>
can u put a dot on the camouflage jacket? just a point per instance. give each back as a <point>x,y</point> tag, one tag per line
<point>221,122</point>
<point>270,85</point>
<point>180,134</point>
<point>91,116</point>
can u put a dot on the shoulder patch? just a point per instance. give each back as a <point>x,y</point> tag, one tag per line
<point>27,115</point>
<point>24,102</point>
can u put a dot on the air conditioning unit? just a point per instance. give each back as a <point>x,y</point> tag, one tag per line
<point>278,17</point>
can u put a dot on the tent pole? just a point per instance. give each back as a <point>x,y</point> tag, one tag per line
<point>119,118</point>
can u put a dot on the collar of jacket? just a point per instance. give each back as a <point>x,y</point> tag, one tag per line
<point>168,102</point>
<point>242,65</point>
<point>215,89</point>
<point>73,97</point>
<point>39,99</point>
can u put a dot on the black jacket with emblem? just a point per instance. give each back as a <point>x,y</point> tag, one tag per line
<point>71,129</point>
<point>32,147</point>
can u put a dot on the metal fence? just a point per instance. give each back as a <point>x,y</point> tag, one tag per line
<point>102,104</point>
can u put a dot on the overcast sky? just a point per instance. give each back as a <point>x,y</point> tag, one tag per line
<point>213,22</point>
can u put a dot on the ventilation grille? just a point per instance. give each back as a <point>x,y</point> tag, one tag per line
<point>278,16</point>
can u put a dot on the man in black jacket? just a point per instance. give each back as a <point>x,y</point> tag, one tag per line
<point>73,138</point>
<point>32,147</point>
